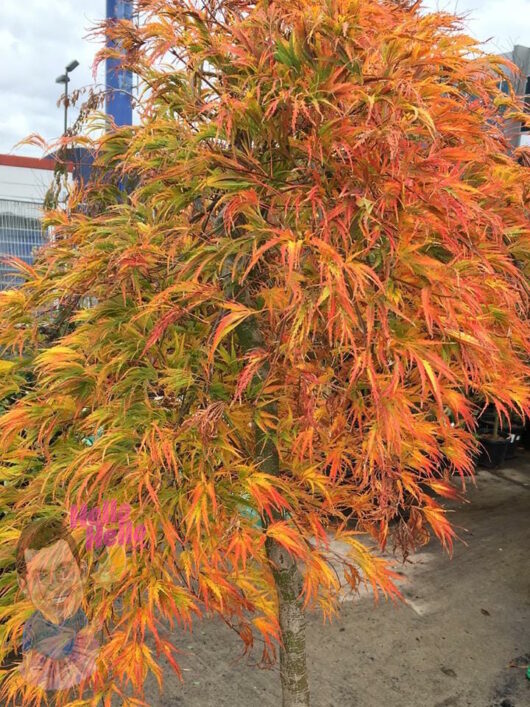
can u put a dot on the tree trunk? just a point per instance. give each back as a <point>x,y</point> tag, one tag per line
<point>291,614</point>
<point>496,426</point>
<point>285,570</point>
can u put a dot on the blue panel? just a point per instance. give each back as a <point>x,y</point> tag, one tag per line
<point>82,159</point>
<point>119,83</point>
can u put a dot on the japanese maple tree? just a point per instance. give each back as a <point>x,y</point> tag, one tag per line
<point>277,307</point>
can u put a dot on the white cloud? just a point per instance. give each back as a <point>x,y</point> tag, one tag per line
<point>502,22</point>
<point>39,37</point>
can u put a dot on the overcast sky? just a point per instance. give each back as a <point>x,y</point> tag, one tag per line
<point>39,37</point>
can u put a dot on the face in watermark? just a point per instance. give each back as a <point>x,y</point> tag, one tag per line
<point>58,645</point>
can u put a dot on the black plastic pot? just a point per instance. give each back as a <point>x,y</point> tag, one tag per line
<point>525,438</point>
<point>493,452</point>
<point>514,442</point>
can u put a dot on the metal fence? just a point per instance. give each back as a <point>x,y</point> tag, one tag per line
<point>21,233</point>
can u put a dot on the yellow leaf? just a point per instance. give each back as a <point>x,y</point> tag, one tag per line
<point>227,324</point>
<point>6,366</point>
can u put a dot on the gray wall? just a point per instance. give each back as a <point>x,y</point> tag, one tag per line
<point>521,57</point>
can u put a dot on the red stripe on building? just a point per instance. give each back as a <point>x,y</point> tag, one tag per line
<point>30,162</point>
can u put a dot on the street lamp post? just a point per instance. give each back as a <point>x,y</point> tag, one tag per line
<point>65,78</point>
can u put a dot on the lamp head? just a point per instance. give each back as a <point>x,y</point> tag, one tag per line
<point>72,65</point>
<point>63,78</point>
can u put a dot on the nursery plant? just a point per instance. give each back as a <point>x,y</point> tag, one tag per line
<point>494,443</point>
<point>272,306</point>
<point>497,444</point>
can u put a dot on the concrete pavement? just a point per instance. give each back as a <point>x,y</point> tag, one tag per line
<point>463,639</point>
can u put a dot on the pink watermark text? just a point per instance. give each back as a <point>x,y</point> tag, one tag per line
<point>96,521</point>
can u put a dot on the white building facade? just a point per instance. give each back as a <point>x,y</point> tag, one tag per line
<point>24,182</point>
